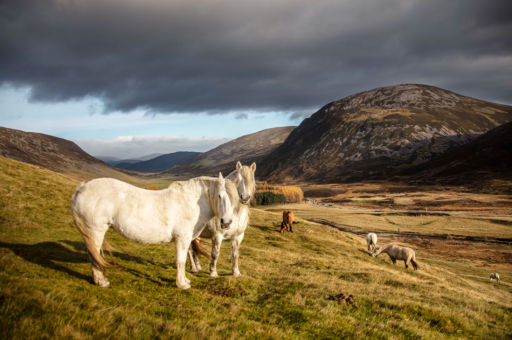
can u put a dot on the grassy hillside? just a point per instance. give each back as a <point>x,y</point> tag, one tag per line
<point>57,154</point>
<point>45,289</point>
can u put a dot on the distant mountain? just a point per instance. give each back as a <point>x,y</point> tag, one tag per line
<point>378,133</point>
<point>160,163</point>
<point>487,157</point>
<point>246,149</point>
<point>114,161</point>
<point>56,154</point>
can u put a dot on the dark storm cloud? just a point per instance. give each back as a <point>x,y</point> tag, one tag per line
<point>219,56</point>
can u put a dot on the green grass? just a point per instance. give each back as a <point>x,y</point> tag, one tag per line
<point>45,289</point>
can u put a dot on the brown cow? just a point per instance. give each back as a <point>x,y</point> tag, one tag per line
<point>287,221</point>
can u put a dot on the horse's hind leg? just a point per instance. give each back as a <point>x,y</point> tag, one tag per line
<point>193,268</point>
<point>182,246</point>
<point>235,253</point>
<point>98,277</point>
<point>216,243</point>
<point>291,227</point>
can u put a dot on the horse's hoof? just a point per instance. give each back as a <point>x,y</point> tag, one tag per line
<point>237,274</point>
<point>187,286</point>
<point>107,285</point>
<point>214,275</point>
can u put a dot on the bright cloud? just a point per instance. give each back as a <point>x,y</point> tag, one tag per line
<point>135,146</point>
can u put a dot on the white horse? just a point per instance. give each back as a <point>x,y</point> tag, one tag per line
<point>178,213</point>
<point>371,240</point>
<point>235,234</point>
<point>495,276</point>
<point>398,253</point>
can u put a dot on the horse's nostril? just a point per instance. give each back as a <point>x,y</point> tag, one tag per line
<point>222,220</point>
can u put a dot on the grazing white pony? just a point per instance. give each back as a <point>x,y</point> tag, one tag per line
<point>178,213</point>
<point>371,240</point>
<point>495,276</point>
<point>235,234</point>
<point>398,253</point>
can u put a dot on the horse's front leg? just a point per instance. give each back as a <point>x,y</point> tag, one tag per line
<point>182,246</point>
<point>216,243</point>
<point>235,253</point>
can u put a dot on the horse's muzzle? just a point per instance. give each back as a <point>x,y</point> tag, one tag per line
<point>225,225</point>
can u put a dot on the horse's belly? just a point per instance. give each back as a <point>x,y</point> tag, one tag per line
<point>145,232</point>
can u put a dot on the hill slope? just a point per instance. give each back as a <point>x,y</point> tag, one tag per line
<point>487,157</point>
<point>374,134</point>
<point>160,163</point>
<point>56,154</point>
<point>246,149</point>
<point>45,282</point>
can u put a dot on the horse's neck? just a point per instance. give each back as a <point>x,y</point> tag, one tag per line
<point>385,248</point>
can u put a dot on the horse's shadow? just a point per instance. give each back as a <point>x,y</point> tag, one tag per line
<point>51,254</point>
<point>48,255</point>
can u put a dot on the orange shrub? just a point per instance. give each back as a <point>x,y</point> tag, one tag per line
<point>292,194</point>
<point>151,187</point>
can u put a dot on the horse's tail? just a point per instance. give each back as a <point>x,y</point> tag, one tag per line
<point>95,256</point>
<point>414,263</point>
<point>198,249</point>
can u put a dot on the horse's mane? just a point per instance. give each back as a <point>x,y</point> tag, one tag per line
<point>211,185</point>
<point>212,190</point>
<point>384,247</point>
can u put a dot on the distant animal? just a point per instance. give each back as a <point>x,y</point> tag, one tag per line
<point>398,253</point>
<point>235,233</point>
<point>495,276</point>
<point>371,240</point>
<point>178,213</point>
<point>287,223</point>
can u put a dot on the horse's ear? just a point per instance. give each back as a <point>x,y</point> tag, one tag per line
<point>238,166</point>
<point>222,181</point>
<point>253,167</point>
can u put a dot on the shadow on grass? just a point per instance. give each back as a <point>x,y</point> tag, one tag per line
<point>47,254</point>
<point>80,246</point>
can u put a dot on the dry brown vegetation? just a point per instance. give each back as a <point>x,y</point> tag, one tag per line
<point>391,195</point>
<point>293,194</point>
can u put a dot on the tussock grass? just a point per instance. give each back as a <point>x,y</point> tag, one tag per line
<point>45,289</point>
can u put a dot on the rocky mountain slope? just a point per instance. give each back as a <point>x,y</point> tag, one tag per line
<point>488,157</point>
<point>246,149</point>
<point>56,154</point>
<point>160,163</point>
<point>377,133</point>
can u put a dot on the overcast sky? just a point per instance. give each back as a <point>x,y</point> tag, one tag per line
<point>215,70</point>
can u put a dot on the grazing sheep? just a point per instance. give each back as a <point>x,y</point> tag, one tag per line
<point>398,253</point>
<point>495,276</point>
<point>371,239</point>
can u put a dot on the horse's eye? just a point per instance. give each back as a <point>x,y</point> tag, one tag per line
<point>220,196</point>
